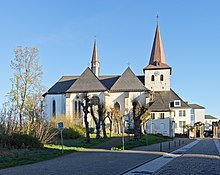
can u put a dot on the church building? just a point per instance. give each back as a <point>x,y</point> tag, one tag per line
<point>169,114</point>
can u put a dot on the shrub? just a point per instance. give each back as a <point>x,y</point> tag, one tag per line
<point>19,141</point>
<point>73,133</point>
<point>91,130</point>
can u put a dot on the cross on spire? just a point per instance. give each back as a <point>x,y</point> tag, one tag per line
<point>157,18</point>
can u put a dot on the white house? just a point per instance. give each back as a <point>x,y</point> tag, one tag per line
<point>151,90</point>
<point>209,119</point>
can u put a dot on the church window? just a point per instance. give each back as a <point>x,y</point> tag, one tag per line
<point>162,115</point>
<point>79,107</point>
<point>161,77</point>
<point>54,108</point>
<point>75,108</point>
<point>152,115</point>
<point>152,78</point>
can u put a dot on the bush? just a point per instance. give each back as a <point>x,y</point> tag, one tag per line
<point>73,133</point>
<point>19,141</point>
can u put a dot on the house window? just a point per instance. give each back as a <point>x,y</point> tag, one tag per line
<point>152,115</point>
<point>182,113</point>
<point>54,108</point>
<point>152,78</point>
<point>161,77</point>
<point>177,103</point>
<point>162,115</point>
<point>182,124</point>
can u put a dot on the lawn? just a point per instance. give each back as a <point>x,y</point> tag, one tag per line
<point>152,139</point>
<point>15,157</point>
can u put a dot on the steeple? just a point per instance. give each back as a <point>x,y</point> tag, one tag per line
<point>157,58</point>
<point>95,61</point>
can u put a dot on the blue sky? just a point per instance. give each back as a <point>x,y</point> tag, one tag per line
<point>64,33</point>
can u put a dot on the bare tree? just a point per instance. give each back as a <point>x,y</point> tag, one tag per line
<point>138,112</point>
<point>26,80</point>
<point>85,107</point>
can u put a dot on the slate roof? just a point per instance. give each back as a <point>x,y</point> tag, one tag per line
<point>196,106</point>
<point>164,100</point>
<point>210,117</point>
<point>128,82</point>
<point>87,82</point>
<point>157,58</point>
<point>63,84</point>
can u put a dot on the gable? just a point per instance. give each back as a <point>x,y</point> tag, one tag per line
<point>128,82</point>
<point>87,82</point>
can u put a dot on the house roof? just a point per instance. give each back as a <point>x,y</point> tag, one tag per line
<point>157,58</point>
<point>210,117</point>
<point>164,100</point>
<point>128,82</point>
<point>87,82</point>
<point>196,106</point>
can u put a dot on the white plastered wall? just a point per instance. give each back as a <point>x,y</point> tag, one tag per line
<point>157,85</point>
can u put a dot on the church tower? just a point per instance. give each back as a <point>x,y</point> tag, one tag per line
<point>95,61</point>
<point>157,73</point>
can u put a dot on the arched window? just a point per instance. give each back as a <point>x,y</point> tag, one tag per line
<point>76,106</point>
<point>161,77</point>
<point>117,106</point>
<point>152,78</point>
<point>54,108</point>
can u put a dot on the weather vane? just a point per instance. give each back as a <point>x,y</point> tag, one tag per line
<point>128,64</point>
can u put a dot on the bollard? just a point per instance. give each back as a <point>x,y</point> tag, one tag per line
<point>175,143</point>
<point>169,145</point>
<point>179,142</point>
<point>183,142</point>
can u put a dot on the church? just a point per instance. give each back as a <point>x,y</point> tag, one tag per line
<point>169,114</point>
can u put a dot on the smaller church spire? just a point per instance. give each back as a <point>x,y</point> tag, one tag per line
<point>95,61</point>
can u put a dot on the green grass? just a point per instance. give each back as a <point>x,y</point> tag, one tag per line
<point>152,139</point>
<point>15,157</point>
<point>81,142</point>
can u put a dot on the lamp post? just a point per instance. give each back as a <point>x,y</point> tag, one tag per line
<point>123,137</point>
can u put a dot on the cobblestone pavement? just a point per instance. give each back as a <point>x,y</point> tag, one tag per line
<point>203,158</point>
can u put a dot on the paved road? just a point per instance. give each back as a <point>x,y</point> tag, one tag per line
<point>203,158</point>
<point>197,157</point>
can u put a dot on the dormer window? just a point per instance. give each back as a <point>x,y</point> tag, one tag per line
<point>177,103</point>
<point>152,78</point>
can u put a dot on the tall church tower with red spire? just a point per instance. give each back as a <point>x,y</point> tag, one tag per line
<point>157,72</point>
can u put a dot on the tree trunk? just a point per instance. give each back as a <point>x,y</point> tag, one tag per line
<point>137,128</point>
<point>103,128</point>
<point>20,118</point>
<point>87,129</point>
